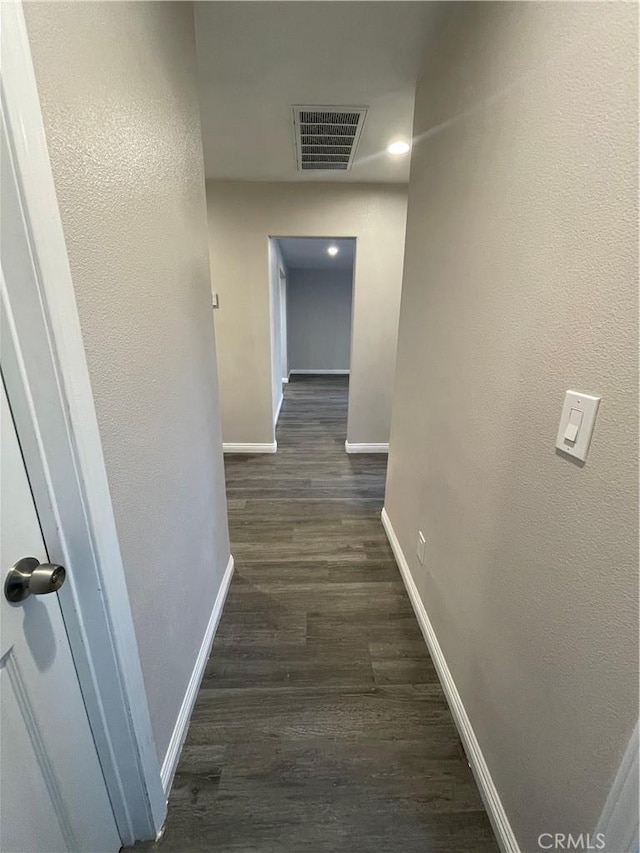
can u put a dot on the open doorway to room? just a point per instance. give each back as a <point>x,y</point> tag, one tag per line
<point>311,283</point>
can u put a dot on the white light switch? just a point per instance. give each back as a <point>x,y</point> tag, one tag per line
<point>573,426</point>
<point>576,424</point>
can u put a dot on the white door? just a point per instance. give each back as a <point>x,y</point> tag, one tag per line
<point>52,793</point>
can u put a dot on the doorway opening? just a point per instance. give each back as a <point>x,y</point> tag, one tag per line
<point>311,287</point>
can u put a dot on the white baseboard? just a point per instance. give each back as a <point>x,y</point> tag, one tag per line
<point>619,819</point>
<point>275,420</point>
<point>285,379</point>
<point>228,447</point>
<point>352,447</point>
<point>495,809</point>
<point>170,762</point>
<point>320,372</point>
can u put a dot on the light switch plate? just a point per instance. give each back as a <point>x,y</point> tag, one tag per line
<point>574,403</point>
<point>422,543</point>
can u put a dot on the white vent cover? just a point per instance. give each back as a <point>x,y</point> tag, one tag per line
<point>327,137</point>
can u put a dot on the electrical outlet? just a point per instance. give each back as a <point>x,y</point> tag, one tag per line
<point>422,544</point>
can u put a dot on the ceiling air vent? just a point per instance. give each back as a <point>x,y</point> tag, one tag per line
<point>327,137</point>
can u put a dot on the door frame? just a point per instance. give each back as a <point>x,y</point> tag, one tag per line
<point>284,356</point>
<point>48,385</point>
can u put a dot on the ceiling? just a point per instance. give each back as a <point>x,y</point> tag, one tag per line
<point>310,253</point>
<point>258,59</point>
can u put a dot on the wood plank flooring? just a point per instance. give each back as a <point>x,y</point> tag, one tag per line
<point>320,724</point>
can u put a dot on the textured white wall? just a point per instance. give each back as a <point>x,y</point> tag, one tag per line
<point>319,319</point>
<point>242,216</point>
<point>117,86</point>
<point>521,275</point>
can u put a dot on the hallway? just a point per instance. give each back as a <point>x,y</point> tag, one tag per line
<point>439,201</point>
<point>320,724</point>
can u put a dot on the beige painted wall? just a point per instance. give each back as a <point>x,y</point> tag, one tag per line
<point>118,91</point>
<point>520,282</point>
<point>242,216</point>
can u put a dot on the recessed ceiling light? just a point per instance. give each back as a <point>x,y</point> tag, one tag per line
<point>398,147</point>
<point>333,250</point>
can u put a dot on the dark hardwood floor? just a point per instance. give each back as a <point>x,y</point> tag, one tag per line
<point>320,724</point>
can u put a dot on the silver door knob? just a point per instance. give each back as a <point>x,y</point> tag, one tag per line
<point>31,577</point>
